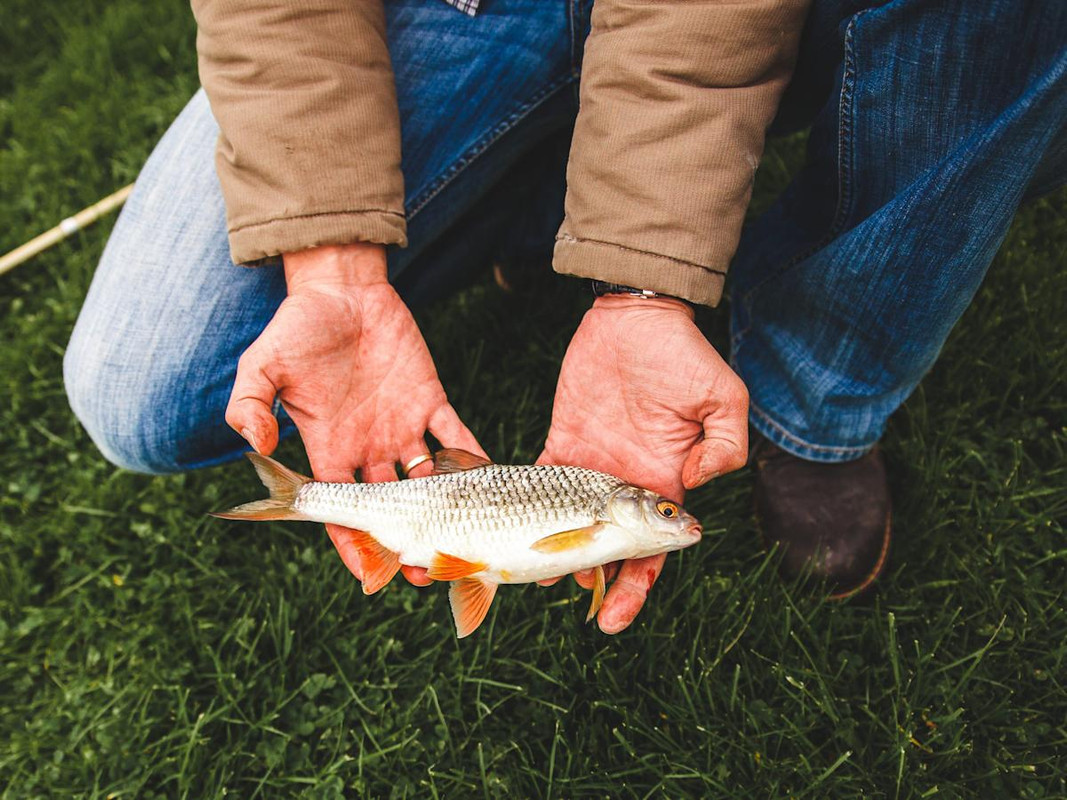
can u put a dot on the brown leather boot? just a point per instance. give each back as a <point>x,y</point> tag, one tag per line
<point>831,521</point>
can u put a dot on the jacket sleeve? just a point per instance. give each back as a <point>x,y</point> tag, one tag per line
<point>676,97</point>
<point>309,149</point>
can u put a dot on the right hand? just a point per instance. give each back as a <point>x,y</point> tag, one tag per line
<point>643,396</point>
<point>351,368</point>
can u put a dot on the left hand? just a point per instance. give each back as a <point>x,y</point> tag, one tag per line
<point>351,367</point>
<point>642,395</point>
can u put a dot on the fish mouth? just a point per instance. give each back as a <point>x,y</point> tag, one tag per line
<point>695,530</point>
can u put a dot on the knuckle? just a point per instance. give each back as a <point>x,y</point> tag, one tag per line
<point>736,459</point>
<point>634,590</point>
<point>250,362</point>
<point>233,419</point>
<point>247,360</point>
<point>736,398</point>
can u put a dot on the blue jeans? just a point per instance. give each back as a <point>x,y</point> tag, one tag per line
<point>932,122</point>
<point>154,352</point>
<point>923,144</point>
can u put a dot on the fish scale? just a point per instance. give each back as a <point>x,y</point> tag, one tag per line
<point>496,499</point>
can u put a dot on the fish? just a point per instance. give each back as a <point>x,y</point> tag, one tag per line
<point>478,525</point>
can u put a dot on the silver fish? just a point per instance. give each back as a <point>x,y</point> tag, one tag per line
<point>479,524</point>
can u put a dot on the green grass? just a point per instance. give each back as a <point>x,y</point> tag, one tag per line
<point>148,651</point>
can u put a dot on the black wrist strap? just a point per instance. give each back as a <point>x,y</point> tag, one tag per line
<point>601,288</point>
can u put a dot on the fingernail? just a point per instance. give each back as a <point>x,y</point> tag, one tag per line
<point>249,437</point>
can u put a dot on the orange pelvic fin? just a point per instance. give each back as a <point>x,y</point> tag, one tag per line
<point>567,540</point>
<point>451,568</point>
<point>283,485</point>
<point>470,599</point>
<point>452,459</point>
<point>379,564</point>
<point>598,593</point>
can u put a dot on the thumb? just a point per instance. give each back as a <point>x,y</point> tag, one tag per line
<point>708,460</point>
<point>719,452</point>
<point>724,447</point>
<point>249,409</point>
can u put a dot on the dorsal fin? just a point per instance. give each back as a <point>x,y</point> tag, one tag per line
<point>452,459</point>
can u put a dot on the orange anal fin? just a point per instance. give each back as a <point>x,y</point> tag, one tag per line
<point>377,563</point>
<point>470,599</point>
<point>451,568</point>
<point>452,459</point>
<point>598,593</point>
<point>567,540</point>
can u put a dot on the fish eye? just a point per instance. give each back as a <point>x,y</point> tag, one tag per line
<point>667,509</point>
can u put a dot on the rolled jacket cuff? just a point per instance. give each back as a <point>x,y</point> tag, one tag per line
<point>253,244</point>
<point>605,261</point>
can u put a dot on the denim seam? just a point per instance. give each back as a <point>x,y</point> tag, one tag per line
<point>483,144</point>
<point>845,165</point>
<point>846,147</point>
<point>859,450</point>
<point>577,14</point>
<point>572,30</point>
<point>569,239</point>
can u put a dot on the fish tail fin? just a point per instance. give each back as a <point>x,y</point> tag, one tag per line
<point>283,485</point>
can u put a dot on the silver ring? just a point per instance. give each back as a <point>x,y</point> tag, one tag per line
<point>419,459</point>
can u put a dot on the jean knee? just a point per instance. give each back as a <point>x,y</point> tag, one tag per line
<point>115,414</point>
<point>143,413</point>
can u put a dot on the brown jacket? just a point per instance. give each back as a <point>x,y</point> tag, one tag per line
<point>675,98</point>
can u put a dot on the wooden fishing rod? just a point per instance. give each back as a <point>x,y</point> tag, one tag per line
<point>84,218</point>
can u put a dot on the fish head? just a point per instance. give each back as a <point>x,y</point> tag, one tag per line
<point>657,524</point>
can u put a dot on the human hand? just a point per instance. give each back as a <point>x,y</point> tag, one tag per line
<point>351,368</point>
<point>643,395</point>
